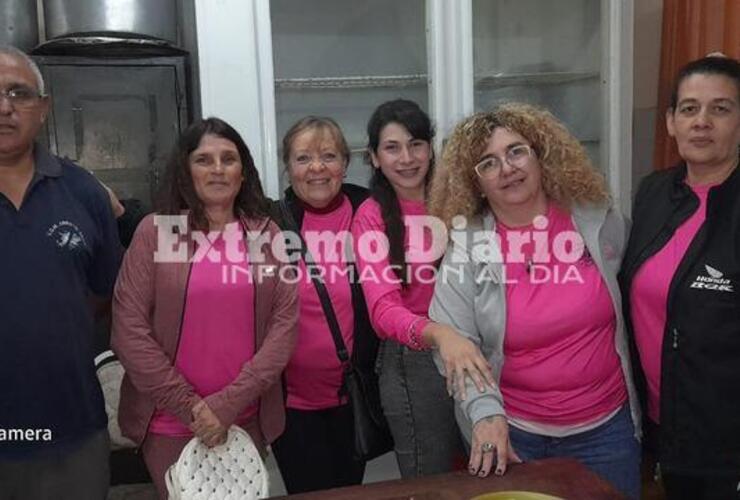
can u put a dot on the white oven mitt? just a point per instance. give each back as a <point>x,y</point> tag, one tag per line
<point>231,471</point>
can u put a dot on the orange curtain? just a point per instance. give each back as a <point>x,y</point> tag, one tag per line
<point>691,29</point>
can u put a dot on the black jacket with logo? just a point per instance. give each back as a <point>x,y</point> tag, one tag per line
<point>700,373</point>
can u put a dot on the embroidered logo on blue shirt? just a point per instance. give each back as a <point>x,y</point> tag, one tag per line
<point>66,234</point>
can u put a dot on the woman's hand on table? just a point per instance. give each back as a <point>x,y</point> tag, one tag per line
<point>461,358</point>
<point>491,441</point>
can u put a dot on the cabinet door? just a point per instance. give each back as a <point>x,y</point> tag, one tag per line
<point>341,58</point>
<point>266,63</point>
<point>120,122</point>
<point>546,53</point>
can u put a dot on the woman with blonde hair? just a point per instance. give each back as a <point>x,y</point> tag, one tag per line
<point>317,449</point>
<point>530,276</point>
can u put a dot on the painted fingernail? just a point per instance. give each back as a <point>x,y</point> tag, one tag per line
<point>482,473</point>
<point>472,470</point>
<point>499,472</point>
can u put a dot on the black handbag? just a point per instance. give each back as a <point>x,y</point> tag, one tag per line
<point>372,435</point>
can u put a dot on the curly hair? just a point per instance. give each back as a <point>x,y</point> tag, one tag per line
<point>568,176</point>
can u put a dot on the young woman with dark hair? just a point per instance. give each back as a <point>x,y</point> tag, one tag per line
<point>398,288</point>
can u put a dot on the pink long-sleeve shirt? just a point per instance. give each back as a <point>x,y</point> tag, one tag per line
<point>396,312</point>
<point>314,373</point>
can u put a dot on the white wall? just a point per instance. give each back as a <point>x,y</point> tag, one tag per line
<point>236,76</point>
<point>648,30</point>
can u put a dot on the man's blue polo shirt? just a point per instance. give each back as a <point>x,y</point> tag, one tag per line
<point>60,248</point>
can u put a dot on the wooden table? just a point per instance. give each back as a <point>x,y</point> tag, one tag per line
<point>563,478</point>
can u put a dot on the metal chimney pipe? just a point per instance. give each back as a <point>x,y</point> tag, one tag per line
<point>127,18</point>
<point>19,24</point>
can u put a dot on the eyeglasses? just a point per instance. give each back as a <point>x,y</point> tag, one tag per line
<point>517,157</point>
<point>326,159</point>
<point>21,97</point>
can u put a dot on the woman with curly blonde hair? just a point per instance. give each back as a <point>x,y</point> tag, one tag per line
<point>530,276</point>
<point>567,173</point>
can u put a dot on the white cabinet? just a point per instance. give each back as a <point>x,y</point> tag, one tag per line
<point>341,59</point>
<point>264,64</point>
<point>546,58</point>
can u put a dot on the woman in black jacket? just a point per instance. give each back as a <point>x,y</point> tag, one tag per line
<point>680,275</point>
<point>316,451</point>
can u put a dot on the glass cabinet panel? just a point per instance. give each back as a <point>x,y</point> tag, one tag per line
<point>542,52</point>
<point>341,58</point>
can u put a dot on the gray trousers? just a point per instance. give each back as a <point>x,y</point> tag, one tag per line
<point>420,414</point>
<point>80,474</point>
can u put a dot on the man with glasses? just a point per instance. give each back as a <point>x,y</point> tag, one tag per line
<point>59,253</point>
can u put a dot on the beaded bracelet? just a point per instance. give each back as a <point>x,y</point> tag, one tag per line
<point>416,341</point>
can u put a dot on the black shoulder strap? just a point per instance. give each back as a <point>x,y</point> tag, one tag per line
<point>318,283</point>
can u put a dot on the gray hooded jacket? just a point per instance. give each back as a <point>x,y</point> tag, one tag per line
<point>470,296</point>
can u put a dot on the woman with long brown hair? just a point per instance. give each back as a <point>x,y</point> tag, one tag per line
<point>202,321</point>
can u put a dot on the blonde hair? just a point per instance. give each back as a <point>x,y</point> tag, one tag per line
<point>322,125</point>
<point>568,176</point>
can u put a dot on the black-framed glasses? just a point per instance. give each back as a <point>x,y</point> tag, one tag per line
<point>517,157</point>
<point>22,97</point>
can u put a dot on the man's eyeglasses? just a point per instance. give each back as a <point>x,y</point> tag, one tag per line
<point>517,157</point>
<point>21,97</point>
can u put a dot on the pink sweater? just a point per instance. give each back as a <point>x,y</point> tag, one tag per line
<point>314,373</point>
<point>217,335</point>
<point>561,365</point>
<point>394,310</point>
<point>649,299</point>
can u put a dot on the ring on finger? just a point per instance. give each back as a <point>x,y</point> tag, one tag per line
<point>487,447</point>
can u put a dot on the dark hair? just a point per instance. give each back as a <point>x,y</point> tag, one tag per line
<point>319,124</point>
<point>712,65</point>
<point>178,191</point>
<point>416,121</point>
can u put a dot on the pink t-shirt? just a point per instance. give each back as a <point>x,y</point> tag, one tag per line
<point>561,366</point>
<point>217,335</point>
<point>314,373</point>
<point>649,299</point>
<point>394,309</point>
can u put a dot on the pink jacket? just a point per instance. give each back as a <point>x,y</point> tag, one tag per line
<point>148,304</point>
